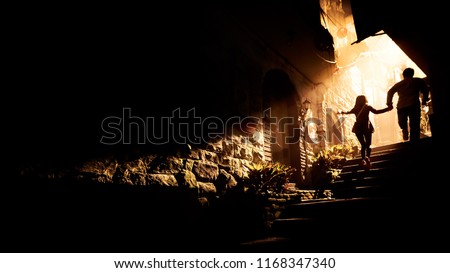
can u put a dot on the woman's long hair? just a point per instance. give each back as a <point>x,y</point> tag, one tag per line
<point>361,100</point>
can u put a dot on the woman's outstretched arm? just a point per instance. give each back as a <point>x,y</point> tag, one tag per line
<point>380,111</point>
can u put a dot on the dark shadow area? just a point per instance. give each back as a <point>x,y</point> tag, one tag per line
<point>65,216</point>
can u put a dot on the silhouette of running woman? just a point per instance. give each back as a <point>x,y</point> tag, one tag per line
<point>362,127</point>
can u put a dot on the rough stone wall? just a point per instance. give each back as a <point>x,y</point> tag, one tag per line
<point>211,170</point>
<point>236,60</point>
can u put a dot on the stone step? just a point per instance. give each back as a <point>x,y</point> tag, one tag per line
<point>399,150</point>
<point>288,227</point>
<point>357,173</point>
<point>399,159</point>
<point>311,217</point>
<point>325,207</point>
<point>424,141</point>
<point>360,191</point>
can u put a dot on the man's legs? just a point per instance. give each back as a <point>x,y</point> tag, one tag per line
<point>414,123</point>
<point>402,115</point>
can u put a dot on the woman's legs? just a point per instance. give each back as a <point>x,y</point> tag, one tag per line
<point>362,140</point>
<point>368,137</point>
<point>365,139</point>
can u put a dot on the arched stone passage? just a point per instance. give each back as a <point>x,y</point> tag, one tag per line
<point>281,126</point>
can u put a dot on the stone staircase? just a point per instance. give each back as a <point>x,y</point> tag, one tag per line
<point>391,207</point>
<point>390,166</point>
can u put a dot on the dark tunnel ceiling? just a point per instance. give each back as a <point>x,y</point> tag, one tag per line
<point>412,25</point>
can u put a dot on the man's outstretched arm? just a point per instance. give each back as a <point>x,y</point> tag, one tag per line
<point>390,95</point>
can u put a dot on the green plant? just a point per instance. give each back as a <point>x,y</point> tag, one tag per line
<point>326,165</point>
<point>268,177</point>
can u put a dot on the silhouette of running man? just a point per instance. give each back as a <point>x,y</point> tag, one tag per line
<point>408,105</point>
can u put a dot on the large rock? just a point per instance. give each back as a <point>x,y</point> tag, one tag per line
<point>167,180</point>
<point>225,182</point>
<point>186,179</point>
<point>166,165</point>
<point>103,169</point>
<point>206,189</point>
<point>205,171</point>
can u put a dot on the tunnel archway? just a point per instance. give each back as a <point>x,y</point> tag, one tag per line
<point>280,118</point>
